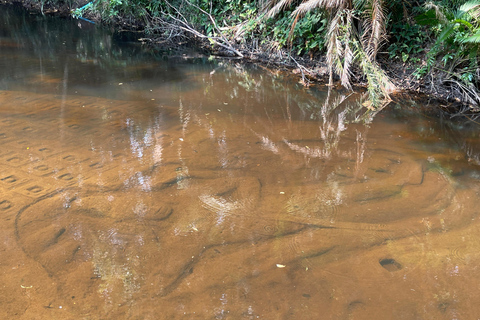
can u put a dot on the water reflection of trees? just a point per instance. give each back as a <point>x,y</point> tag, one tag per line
<point>272,96</point>
<point>449,140</point>
<point>46,54</point>
<point>465,133</point>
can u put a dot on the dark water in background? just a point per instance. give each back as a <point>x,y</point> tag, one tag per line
<point>140,186</point>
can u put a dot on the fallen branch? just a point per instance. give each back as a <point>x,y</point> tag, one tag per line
<point>303,69</point>
<point>183,24</point>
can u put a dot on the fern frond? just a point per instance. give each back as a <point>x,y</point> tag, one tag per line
<point>447,32</point>
<point>470,7</point>
<point>464,22</point>
<point>475,38</point>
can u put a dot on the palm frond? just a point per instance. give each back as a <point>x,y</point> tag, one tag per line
<point>343,43</point>
<point>340,53</point>
<point>464,22</point>
<point>307,6</point>
<point>273,7</point>
<point>310,5</point>
<point>348,56</point>
<point>468,92</point>
<point>374,27</point>
<point>439,11</point>
<point>379,85</point>
<point>334,45</point>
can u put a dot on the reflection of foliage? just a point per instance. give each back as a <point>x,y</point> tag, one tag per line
<point>465,135</point>
<point>53,53</point>
<point>314,104</point>
<point>272,98</point>
<point>451,141</point>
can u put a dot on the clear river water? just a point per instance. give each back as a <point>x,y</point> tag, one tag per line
<point>148,184</point>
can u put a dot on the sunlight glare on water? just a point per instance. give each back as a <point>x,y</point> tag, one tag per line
<point>140,186</point>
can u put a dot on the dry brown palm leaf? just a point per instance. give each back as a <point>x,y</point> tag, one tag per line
<point>374,27</point>
<point>273,7</point>
<point>468,93</point>
<point>340,54</point>
<point>310,5</point>
<point>334,45</point>
<point>438,11</point>
<point>349,55</point>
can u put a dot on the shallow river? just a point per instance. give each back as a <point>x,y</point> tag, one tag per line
<point>139,184</point>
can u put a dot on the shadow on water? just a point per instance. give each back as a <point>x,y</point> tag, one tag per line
<point>46,54</point>
<point>139,186</point>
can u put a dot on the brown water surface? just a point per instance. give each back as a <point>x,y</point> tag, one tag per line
<point>138,187</point>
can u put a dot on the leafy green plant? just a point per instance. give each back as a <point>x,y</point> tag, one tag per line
<point>407,41</point>
<point>307,36</point>
<point>310,32</point>
<point>458,35</point>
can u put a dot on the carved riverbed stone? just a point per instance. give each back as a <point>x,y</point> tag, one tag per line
<point>207,216</point>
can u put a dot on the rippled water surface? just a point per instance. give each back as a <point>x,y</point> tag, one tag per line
<point>136,186</point>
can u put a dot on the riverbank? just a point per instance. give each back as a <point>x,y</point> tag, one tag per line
<point>310,69</point>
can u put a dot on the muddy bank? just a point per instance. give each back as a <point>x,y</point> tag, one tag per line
<point>309,70</point>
